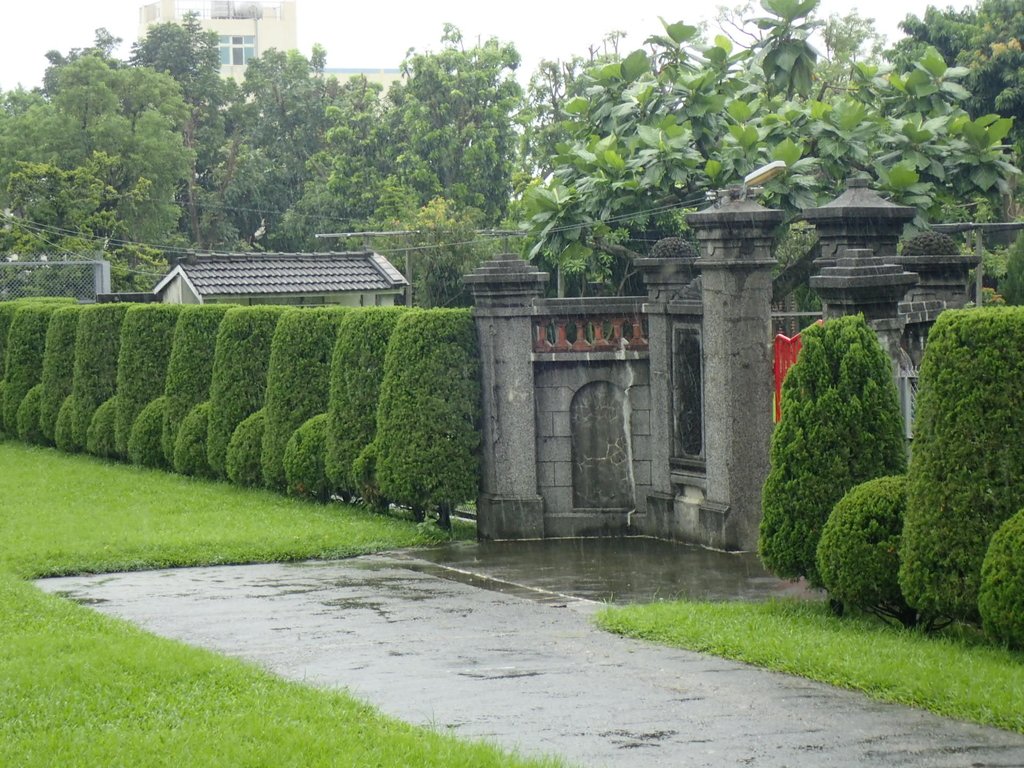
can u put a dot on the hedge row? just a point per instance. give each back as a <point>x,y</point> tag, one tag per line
<point>146,336</point>
<point>239,382</point>
<point>249,393</point>
<point>297,382</point>
<point>965,476</point>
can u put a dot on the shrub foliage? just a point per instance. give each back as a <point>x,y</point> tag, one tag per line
<point>190,367</point>
<point>190,445</point>
<point>357,369</point>
<point>144,447</point>
<point>840,427</point>
<point>99,438</point>
<point>239,381</point>
<point>297,381</point>
<point>243,458</point>
<point>26,341</point>
<point>97,344</point>
<point>304,460</point>
<point>428,435</point>
<point>27,417</point>
<point>63,431</point>
<point>146,335</point>
<point>1001,597</point>
<point>858,554</point>
<point>58,368</point>
<point>968,453</point>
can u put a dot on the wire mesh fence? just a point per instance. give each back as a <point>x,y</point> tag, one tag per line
<point>79,277</point>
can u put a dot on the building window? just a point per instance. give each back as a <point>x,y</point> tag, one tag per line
<point>237,49</point>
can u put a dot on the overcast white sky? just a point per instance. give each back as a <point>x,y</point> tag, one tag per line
<point>377,34</point>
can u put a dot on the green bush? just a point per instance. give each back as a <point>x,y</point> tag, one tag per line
<point>968,454</point>
<point>243,458</point>
<point>1012,286</point>
<point>190,367</point>
<point>27,417</point>
<point>144,447</point>
<point>146,335</point>
<point>97,344</point>
<point>63,431</point>
<point>58,368</point>
<point>190,445</point>
<point>364,476</point>
<point>357,370</point>
<point>840,426</point>
<point>239,381</point>
<point>428,437</point>
<point>858,554</point>
<point>1001,597</point>
<point>304,460</point>
<point>7,310</point>
<point>297,381</point>
<point>26,340</point>
<point>99,438</point>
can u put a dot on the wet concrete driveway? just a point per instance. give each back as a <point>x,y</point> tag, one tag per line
<point>477,646</point>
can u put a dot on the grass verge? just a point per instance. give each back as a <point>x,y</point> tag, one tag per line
<point>81,690</point>
<point>953,674</point>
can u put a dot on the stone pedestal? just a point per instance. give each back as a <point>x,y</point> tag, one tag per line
<point>736,273</point>
<point>509,506</point>
<point>858,218</point>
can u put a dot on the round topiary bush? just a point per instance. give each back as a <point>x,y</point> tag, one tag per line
<point>190,445</point>
<point>304,460</point>
<point>357,370</point>
<point>146,335</point>
<point>144,448</point>
<point>243,458</point>
<point>297,381</point>
<point>28,417</point>
<point>63,430</point>
<point>99,439</point>
<point>964,479</point>
<point>428,436</point>
<point>1001,597</point>
<point>58,367</point>
<point>841,426</point>
<point>239,384</point>
<point>190,367</point>
<point>858,554</point>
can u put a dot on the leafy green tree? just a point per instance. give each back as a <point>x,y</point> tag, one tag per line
<point>454,111</point>
<point>841,426</point>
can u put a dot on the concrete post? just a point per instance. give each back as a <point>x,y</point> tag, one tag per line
<point>509,505</point>
<point>736,273</point>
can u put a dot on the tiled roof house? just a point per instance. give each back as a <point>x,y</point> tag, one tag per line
<point>355,279</point>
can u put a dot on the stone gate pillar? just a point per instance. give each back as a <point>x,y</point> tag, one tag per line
<point>509,506</point>
<point>736,272</point>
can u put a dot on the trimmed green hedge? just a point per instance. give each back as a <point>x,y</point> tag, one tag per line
<point>239,382</point>
<point>146,335</point>
<point>965,477</point>
<point>27,417</point>
<point>190,445</point>
<point>144,447</point>
<point>64,429</point>
<point>297,381</point>
<point>1001,598</point>
<point>26,341</point>
<point>190,368</point>
<point>243,459</point>
<point>97,344</point>
<point>841,426</point>
<point>99,438</point>
<point>304,460</point>
<point>428,437</point>
<point>357,370</point>
<point>7,310</point>
<point>858,554</point>
<point>58,368</point>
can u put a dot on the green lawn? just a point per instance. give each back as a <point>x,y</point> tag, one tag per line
<point>954,674</point>
<point>81,689</point>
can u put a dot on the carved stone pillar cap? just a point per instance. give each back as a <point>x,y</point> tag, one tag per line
<point>735,214</point>
<point>506,277</point>
<point>859,201</point>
